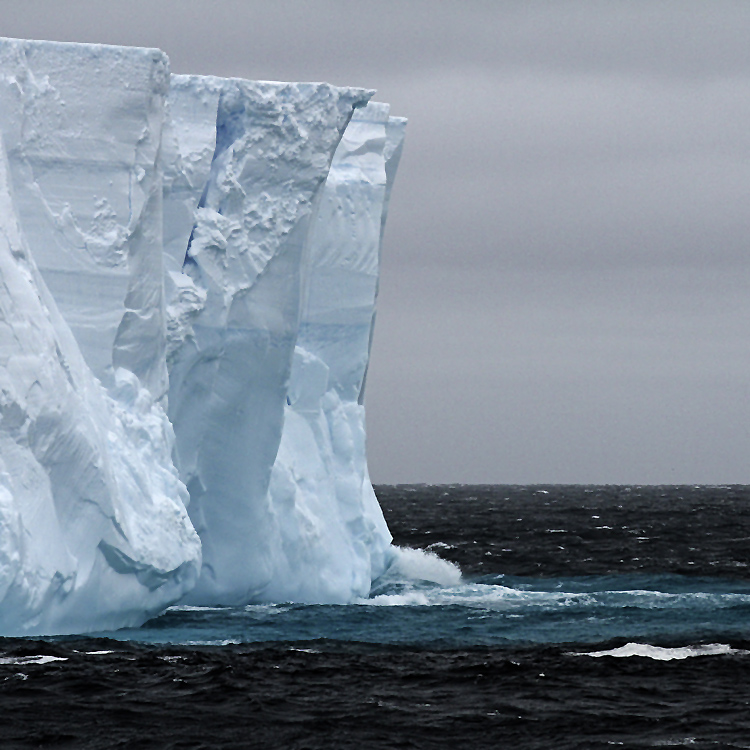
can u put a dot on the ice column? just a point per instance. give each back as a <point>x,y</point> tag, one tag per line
<point>229,376</point>
<point>320,487</point>
<point>188,146</point>
<point>93,530</point>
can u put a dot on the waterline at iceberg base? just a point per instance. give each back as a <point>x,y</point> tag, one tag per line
<point>189,273</point>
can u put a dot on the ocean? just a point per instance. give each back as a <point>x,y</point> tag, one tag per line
<point>516,617</point>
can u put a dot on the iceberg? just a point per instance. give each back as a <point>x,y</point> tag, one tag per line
<point>93,528</point>
<point>190,270</point>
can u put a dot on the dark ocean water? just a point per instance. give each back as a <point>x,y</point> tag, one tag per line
<point>584,617</point>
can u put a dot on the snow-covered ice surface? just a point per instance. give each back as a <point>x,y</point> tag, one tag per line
<point>183,243</point>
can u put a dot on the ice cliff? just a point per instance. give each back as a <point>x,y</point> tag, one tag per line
<point>189,270</point>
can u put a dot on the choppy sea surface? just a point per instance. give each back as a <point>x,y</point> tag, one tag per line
<point>514,617</point>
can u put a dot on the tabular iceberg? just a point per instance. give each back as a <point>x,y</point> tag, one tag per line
<point>201,248</point>
<point>93,527</point>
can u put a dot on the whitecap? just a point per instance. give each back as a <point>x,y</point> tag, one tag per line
<point>661,653</point>
<point>271,609</point>
<point>409,599</point>
<point>418,565</point>
<point>193,608</point>
<point>225,642</point>
<point>41,659</point>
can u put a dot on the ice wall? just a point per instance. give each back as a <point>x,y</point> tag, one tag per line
<point>328,514</point>
<point>93,528</point>
<point>228,380</point>
<point>203,245</point>
<point>82,127</point>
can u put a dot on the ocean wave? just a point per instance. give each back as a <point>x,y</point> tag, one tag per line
<point>40,659</point>
<point>422,565</point>
<point>661,653</point>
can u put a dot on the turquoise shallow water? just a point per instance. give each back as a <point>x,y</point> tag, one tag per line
<point>488,611</point>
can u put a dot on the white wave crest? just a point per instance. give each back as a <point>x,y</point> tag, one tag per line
<point>42,659</point>
<point>414,578</point>
<point>410,599</point>
<point>665,654</point>
<point>193,608</point>
<point>423,566</point>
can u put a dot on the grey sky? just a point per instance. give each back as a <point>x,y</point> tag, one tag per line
<point>564,292</point>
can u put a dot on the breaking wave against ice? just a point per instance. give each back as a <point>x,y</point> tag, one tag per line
<point>423,565</point>
<point>412,575</point>
<point>415,577</point>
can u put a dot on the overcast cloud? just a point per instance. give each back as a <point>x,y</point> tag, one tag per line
<point>564,292</point>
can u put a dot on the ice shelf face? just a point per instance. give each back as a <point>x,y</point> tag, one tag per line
<point>204,245</point>
<point>320,486</point>
<point>228,380</point>
<point>93,528</point>
<point>82,128</point>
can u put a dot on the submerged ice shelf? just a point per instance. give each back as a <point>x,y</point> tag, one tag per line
<point>189,269</point>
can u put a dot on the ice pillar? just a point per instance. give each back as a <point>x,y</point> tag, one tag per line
<point>228,379</point>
